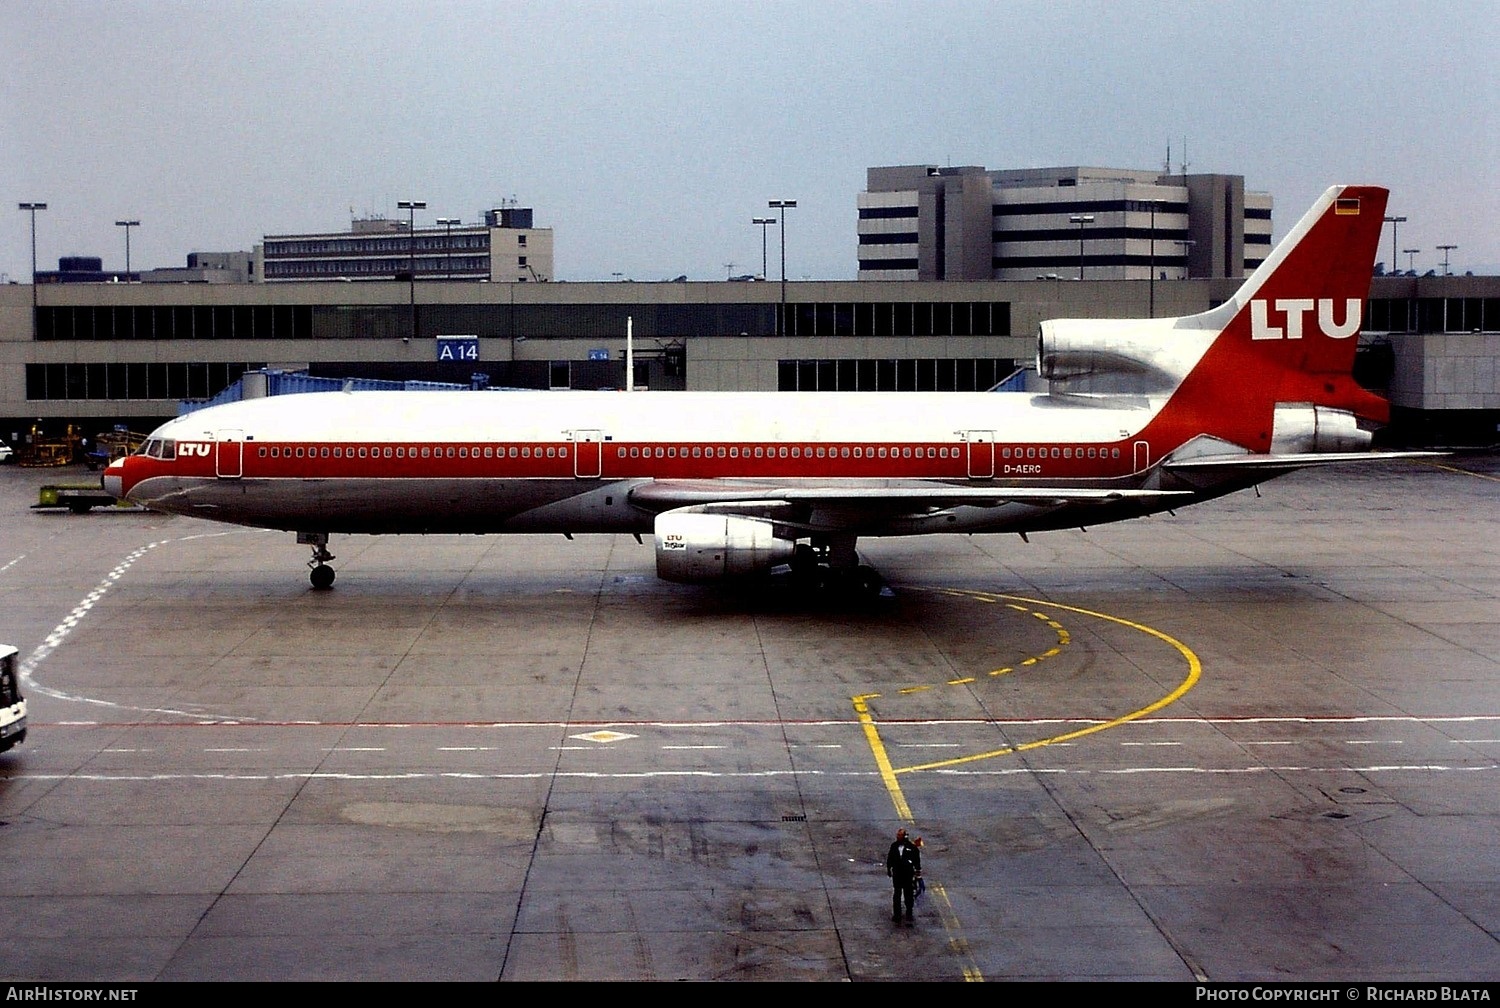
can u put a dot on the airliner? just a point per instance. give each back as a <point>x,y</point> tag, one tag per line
<point>1142,416</point>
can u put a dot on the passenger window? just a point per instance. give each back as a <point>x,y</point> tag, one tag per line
<point>338,452</point>
<point>513,453</point>
<point>620,452</point>
<point>323,452</point>
<point>361,452</point>
<point>463,453</point>
<point>783,452</point>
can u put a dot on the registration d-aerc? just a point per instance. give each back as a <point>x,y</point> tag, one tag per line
<point>739,483</point>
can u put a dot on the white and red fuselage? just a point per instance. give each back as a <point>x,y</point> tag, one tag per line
<point>729,482</point>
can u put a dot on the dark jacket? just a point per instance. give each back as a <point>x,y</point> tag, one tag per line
<point>903,862</point>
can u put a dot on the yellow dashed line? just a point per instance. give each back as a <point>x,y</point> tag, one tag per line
<point>1195,670</point>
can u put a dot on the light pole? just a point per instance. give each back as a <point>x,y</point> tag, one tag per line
<point>1082,220</point>
<point>448,222</point>
<point>1445,249</point>
<point>127,225</point>
<point>1151,259</point>
<point>1394,222</point>
<point>764,223</point>
<point>33,208</point>
<point>1187,247</point>
<point>783,205</point>
<point>411,207</point>
<point>1411,259</point>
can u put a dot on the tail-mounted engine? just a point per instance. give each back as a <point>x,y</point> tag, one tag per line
<point>693,547</point>
<point>1303,427</point>
<point>1116,355</point>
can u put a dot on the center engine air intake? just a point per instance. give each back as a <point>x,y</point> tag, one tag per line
<point>692,547</point>
<point>1304,427</point>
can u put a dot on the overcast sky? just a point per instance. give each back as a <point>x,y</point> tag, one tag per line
<point>648,135</point>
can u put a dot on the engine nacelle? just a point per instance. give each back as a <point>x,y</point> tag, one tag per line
<point>1304,427</point>
<point>1124,355</point>
<point>693,547</point>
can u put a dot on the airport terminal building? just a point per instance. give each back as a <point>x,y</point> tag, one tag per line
<point>96,354</point>
<point>924,222</point>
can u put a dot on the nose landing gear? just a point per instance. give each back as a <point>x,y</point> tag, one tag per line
<point>321,574</point>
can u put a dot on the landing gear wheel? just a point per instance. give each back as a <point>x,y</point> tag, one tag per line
<point>322,574</point>
<point>867,582</point>
<point>321,577</point>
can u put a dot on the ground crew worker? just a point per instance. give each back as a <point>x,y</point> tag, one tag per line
<point>903,863</point>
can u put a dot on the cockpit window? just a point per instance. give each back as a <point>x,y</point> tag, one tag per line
<point>160,448</point>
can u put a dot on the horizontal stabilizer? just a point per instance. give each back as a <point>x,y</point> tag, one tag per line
<point>1288,462</point>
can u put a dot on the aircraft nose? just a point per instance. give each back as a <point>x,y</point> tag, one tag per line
<point>113,479</point>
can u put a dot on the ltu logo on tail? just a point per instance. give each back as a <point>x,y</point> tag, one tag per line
<point>1293,309</point>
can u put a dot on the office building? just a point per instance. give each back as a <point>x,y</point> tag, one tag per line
<point>923,222</point>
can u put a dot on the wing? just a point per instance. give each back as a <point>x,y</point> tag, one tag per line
<point>854,504</point>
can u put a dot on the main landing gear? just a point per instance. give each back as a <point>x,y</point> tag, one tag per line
<point>321,574</point>
<point>831,565</point>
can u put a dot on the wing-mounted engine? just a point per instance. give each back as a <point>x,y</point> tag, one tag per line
<point>1117,355</point>
<point>1305,427</point>
<point>694,547</point>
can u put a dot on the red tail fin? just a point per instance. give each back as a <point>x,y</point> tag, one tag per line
<point>1290,332</point>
